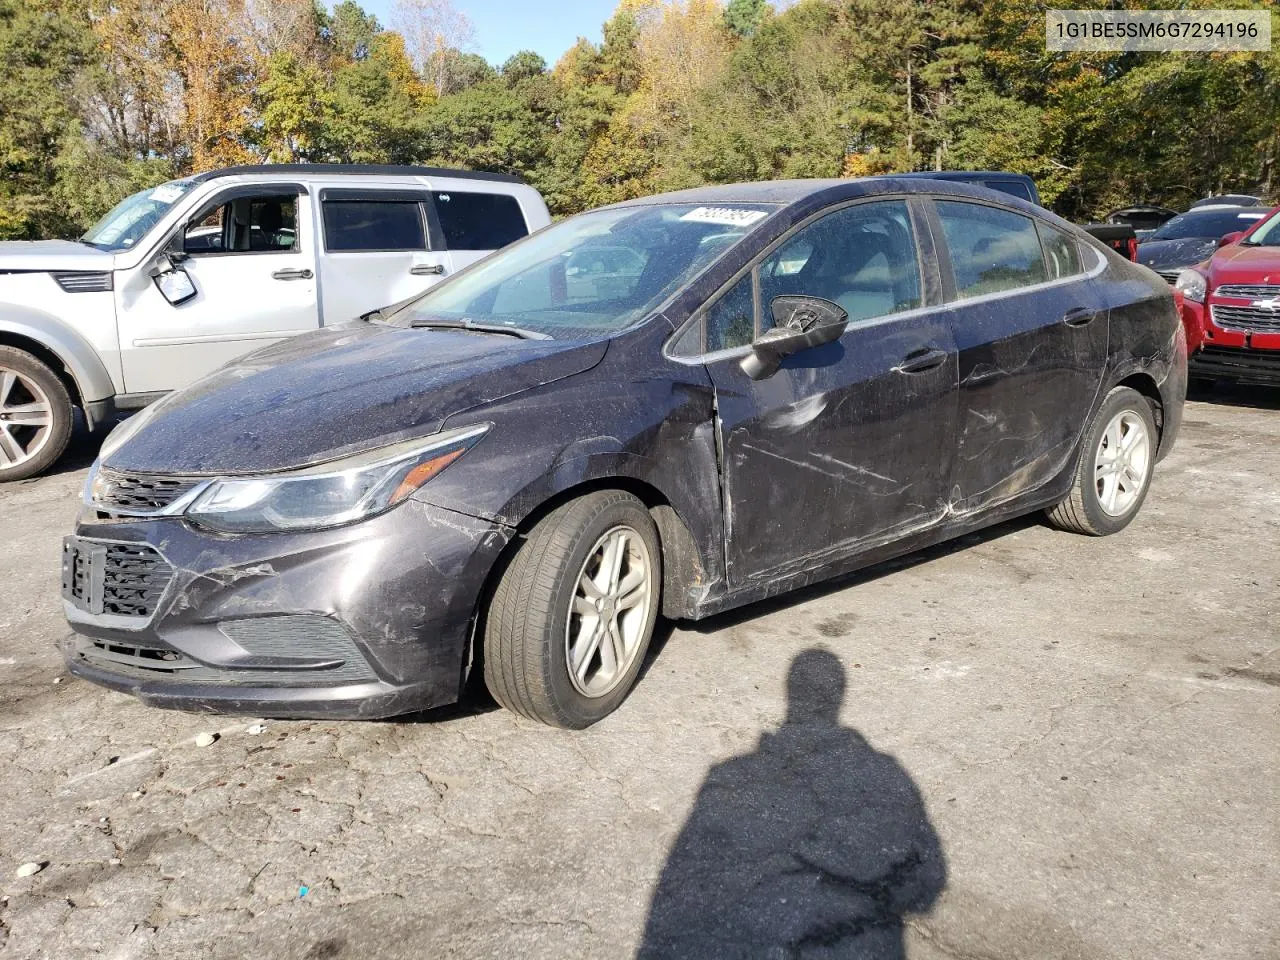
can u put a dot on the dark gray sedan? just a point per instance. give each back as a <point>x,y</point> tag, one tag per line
<point>669,407</point>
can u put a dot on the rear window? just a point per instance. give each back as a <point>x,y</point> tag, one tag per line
<point>1061,252</point>
<point>991,249</point>
<point>479,221</point>
<point>373,225</point>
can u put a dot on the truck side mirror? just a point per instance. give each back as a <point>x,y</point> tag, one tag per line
<point>174,283</point>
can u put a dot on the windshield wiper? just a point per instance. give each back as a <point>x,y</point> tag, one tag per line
<point>478,328</point>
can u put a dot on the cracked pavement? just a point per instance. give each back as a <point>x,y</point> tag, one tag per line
<point>1086,732</point>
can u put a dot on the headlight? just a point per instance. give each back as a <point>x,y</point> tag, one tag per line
<point>333,493</point>
<point>1191,283</point>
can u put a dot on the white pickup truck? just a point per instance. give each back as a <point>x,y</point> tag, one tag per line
<point>181,278</point>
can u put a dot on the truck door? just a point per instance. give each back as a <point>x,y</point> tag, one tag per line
<point>377,249</point>
<point>250,253</point>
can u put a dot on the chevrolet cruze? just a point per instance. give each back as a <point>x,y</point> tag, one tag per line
<point>664,408</point>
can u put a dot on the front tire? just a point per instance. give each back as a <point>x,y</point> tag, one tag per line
<point>35,415</point>
<point>1116,463</point>
<point>571,618</point>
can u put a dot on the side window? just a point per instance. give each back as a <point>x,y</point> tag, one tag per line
<point>263,224</point>
<point>862,257</point>
<point>731,320</point>
<point>479,221</point>
<point>1061,252</point>
<point>991,249</point>
<point>382,225</point>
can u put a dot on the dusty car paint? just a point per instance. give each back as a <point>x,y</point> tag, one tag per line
<point>757,487</point>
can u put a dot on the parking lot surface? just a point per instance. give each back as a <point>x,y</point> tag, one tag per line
<point>1023,744</point>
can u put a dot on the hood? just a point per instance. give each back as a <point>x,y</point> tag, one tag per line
<point>1243,264</point>
<point>33,255</point>
<point>1167,254</point>
<point>339,391</point>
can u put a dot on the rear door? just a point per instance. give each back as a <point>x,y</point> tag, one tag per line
<point>251,255</point>
<point>847,444</point>
<point>378,248</point>
<point>1032,337</point>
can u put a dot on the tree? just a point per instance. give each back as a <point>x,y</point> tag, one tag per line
<point>744,16</point>
<point>46,47</point>
<point>351,30</point>
<point>434,32</point>
<point>523,66</point>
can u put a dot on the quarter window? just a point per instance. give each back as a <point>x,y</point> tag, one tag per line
<point>351,225</point>
<point>479,221</point>
<point>1061,252</point>
<point>731,320</point>
<point>991,249</point>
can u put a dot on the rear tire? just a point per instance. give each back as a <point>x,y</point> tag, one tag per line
<point>35,415</point>
<point>571,618</point>
<point>1116,462</point>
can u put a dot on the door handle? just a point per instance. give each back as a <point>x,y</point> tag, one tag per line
<point>427,270</point>
<point>922,360</point>
<point>1078,316</point>
<point>292,274</point>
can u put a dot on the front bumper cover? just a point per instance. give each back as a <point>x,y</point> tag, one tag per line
<point>364,621</point>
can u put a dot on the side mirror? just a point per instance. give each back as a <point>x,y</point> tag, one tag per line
<point>799,323</point>
<point>173,282</point>
<point>1231,238</point>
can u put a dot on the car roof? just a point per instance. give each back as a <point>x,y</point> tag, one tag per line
<point>786,192</point>
<point>348,169</point>
<point>1227,200</point>
<point>1205,213</point>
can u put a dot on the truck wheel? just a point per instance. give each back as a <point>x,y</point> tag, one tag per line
<point>1116,462</point>
<point>571,618</point>
<point>35,415</point>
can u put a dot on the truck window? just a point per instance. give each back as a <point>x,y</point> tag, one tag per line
<point>264,224</point>
<point>383,225</point>
<point>1014,188</point>
<point>479,221</point>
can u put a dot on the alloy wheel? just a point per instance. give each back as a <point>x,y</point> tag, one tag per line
<point>1123,463</point>
<point>26,418</point>
<point>608,618</point>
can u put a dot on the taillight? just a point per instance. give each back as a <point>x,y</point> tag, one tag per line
<point>1132,248</point>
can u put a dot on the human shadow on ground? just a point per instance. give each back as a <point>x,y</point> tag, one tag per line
<point>813,845</point>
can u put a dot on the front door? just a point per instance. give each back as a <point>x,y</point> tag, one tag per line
<point>849,444</point>
<point>1032,336</point>
<point>251,257</point>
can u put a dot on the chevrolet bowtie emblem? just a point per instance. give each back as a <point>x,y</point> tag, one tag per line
<point>1272,304</point>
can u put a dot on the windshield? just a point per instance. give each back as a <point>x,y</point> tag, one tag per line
<point>131,218</point>
<point>1267,235</point>
<point>595,273</point>
<point>1207,225</point>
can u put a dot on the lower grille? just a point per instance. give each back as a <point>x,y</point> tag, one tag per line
<point>1249,366</point>
<point>1246,318</point>
<point>1169,276</point>
<point>120,579</point>
<point>313,636</point>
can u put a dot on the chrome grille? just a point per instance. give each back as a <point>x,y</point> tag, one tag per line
<point>119,579</point>
<point>1169,276</point>
<point>1246,318</point>
<point>82,281</point>
<point>138,492</point>
<point>1248,290</point>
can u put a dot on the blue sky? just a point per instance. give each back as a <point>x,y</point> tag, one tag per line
<point>549,27</point>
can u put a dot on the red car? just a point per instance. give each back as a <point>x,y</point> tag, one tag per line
<point>1231,307</point>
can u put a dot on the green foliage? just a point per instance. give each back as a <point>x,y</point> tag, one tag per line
<point>743,16</point>
<point>523,66</point>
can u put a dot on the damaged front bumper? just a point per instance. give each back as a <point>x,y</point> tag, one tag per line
<point>364,621</point>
